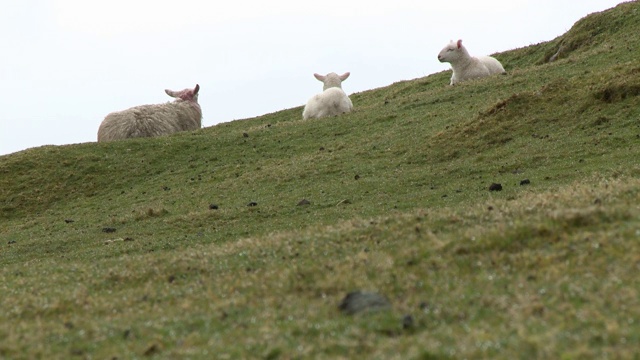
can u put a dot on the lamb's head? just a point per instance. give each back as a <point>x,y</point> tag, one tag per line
<point>185,95</point>
<point>332,79</point>
<point>452,52</point>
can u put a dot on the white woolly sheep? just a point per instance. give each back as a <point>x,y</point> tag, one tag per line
<point>183,114</point>
<point>467,67</point>
<point>332,101</point>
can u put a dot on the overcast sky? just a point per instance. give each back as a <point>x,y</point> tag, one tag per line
<point>65,64</point>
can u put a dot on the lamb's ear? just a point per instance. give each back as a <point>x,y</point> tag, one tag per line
<point>196,89</point>
<point>170,92</point>
<point>344,76</point>
<point>459,43</point>
<point>320,77</point>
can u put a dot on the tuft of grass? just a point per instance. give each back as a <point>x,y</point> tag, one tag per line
<point>116,250</point>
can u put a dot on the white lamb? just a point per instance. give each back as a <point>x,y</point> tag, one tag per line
<point>467,67</point>
<point>332,101</point>
<point>183,114</point>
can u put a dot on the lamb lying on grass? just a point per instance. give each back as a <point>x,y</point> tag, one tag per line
<point>467,67</point>
<point>183,114</point>
<point>332,101</point>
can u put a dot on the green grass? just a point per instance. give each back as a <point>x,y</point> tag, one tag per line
<point>399,204</point>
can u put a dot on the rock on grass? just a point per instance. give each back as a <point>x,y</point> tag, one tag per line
<point>363,301</point>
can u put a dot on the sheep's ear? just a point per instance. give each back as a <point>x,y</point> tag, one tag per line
<point>459,44</point>
<point>170,92</point>
<point>196,89</point>
<point>344,76</point>
<point>320,77</point>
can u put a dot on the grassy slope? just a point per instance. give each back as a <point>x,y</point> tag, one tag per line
<point>399,204</point>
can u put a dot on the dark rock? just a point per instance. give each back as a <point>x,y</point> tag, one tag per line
<point>363,301</point>
<point>357,177</point>
<point>495,187</point>
<point>152,350</point>
<point>407,322</point>
<point>213,207</point>
<point>245,135</point>
<point>304,202</point>
<point>525,182</point>
<point>253,203</point>
<point>108,230</point>
<point>69,221</point>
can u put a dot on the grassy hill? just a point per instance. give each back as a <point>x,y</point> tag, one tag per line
<point>196,245</point>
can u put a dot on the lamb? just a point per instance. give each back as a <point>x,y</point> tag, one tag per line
<point>466,67</point>
<point>332,101</point>
<point>183,114</point>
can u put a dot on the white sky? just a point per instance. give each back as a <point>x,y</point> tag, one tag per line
<point>65,64</point>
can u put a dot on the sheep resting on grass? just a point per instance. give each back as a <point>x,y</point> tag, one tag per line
<point>467,67</point>
<point>183,114</point>
<point>332,101</point>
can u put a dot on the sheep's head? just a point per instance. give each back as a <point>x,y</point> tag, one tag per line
<point>186,94</point>
<point>332,79</point>
<point>452,52</point>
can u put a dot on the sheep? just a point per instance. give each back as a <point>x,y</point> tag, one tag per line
<point>466,67</point>
<point>183,114</point>
<point>332,101</point>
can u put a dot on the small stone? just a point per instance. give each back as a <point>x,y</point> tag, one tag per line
<point>69,221</point>
<point>245,135</point>
<point>253,203</point>
<point>304,202</point>
<point>495,187</point>
<point>407,322</point>
<point>363,301</point>
<point>357,177</point>
<point>525,182</point>
<point>152,350</point>
<point>213,207</point>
